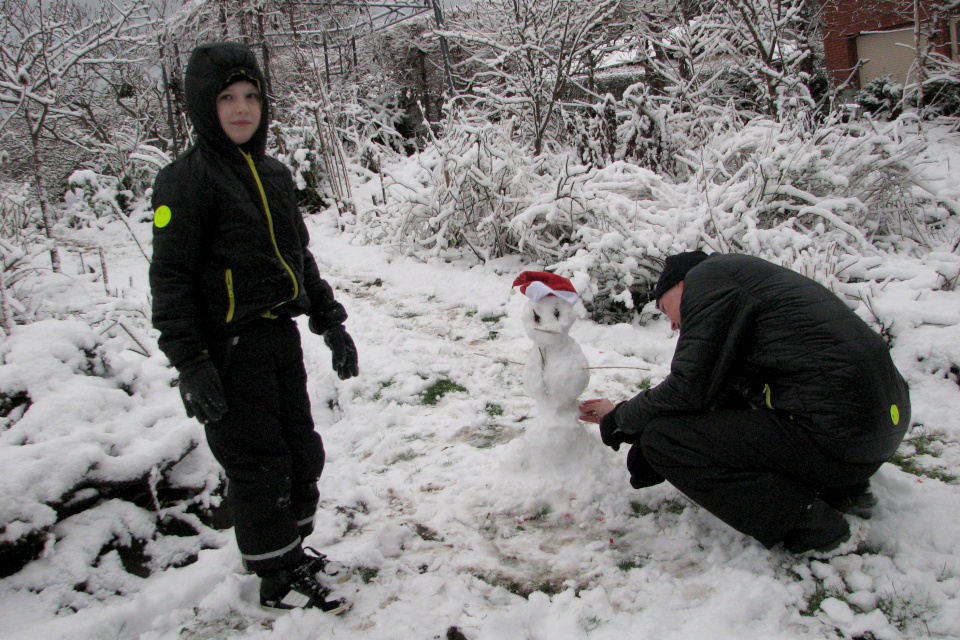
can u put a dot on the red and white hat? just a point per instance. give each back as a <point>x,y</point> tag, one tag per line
<point>540,284</point>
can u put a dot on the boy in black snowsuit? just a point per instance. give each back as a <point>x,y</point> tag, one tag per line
<point>230,270</point>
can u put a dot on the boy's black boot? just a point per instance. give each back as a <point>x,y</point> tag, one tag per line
<point>324,569</point>
<point>298,588</point>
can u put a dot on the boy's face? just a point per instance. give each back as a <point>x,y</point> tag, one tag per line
<point>238,107</point>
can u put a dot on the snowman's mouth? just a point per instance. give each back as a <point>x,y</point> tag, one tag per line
<point>556,333</point>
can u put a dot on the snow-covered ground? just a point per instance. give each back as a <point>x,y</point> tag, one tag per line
<point>437,488</point>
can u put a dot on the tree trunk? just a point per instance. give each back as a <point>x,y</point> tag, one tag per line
<point>6,318</point>
<point>37,168</point>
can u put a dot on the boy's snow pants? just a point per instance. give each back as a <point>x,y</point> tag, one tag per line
<point>754,469</point>
<point>266,443</point>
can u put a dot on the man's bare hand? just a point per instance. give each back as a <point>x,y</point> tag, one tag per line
<point>594,410</point>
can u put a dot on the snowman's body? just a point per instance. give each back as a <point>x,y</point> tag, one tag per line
<point>556,372</point>
<point>563,464</point>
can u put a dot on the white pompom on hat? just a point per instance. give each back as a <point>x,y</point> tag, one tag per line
<point>540,284</point>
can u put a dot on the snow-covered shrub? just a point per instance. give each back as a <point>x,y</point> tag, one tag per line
<point>16,267</point>
<point>854,178</point>
<point>87,427</point>
<point>300,147</point>
<point>467,189</point>
<point>644,132</point>
<point>941,96</point>
<point>17,214</point>
<point>631,129</point>
<point>809,195</point>
<point>93,196</point>
<point>587,227</point>
<point>593,131</point>
<point>881,97</point>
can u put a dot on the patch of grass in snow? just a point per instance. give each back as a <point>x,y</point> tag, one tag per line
<point>645,384</point>
<point>200,629</point>
<point>426,533</point>
<point>820,593</point>
<point>404,456</point>
<point>906,611</point>
<point>542,512</point>
<point>490,437</point>
<point>432,394</point>
<point>946,573</point>
<point>494,410</point>
<point>383,385</point>
<point>630,563</point>
<point>493,335</point>
<point>367,574</point>
<point>923,443</point>
<point>670,505</point>
<point>492,319</point>
<point>522,587</point>
<point>350,513</point>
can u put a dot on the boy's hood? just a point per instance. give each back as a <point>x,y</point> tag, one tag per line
<point>209,68</point>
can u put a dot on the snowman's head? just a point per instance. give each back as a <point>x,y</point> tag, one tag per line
<point>548,319</point>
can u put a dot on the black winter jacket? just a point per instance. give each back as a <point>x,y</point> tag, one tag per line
<point>786,343</point>
<point>229,243</point>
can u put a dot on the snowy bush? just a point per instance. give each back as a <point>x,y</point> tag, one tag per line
<point>467,188</point>
<point>82,429</point>
<point>852,178</point>
<point>301,149</point>
<point>92,196</point>
<point>941,96</point>
<point>17,213</point>
<point>881,97</point>
<point>637,129</point>
<point>809,197</point>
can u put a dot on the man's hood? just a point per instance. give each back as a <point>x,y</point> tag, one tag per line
<point>210,67</point>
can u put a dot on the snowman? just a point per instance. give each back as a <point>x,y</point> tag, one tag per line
<point>556,371</point>
<point>559,462</point>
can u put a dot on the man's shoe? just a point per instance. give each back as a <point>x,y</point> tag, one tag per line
<point>820,527</point>
<point>858,533</point>
<point>324,569</point>
<point>854,500</point>
<point>298,589</point>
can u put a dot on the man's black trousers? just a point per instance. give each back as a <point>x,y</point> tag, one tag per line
<point>754,469</point>
<point>266,443</point>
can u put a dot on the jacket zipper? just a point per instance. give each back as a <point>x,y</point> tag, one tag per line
<point>273,237</point>
<point>231,307</point>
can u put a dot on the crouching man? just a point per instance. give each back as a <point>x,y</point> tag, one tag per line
<point>780,404</point>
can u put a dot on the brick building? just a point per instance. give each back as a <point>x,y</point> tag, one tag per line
<point>881,32</point>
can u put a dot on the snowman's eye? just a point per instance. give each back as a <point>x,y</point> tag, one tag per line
<point>536,318</point>
<point>556,313</point>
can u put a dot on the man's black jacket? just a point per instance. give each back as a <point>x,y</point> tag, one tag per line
<point>229,243</point>
<point>788,344</point>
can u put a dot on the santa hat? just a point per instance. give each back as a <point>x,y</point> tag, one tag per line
<point>540,284</point>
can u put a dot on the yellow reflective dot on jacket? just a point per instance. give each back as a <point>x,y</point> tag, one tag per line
<point>895,414</point>
<point>161,217</point>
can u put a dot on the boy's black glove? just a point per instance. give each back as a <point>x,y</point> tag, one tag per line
<point>201,390</point>
<point>344,352</point>
<point>612,436</point>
